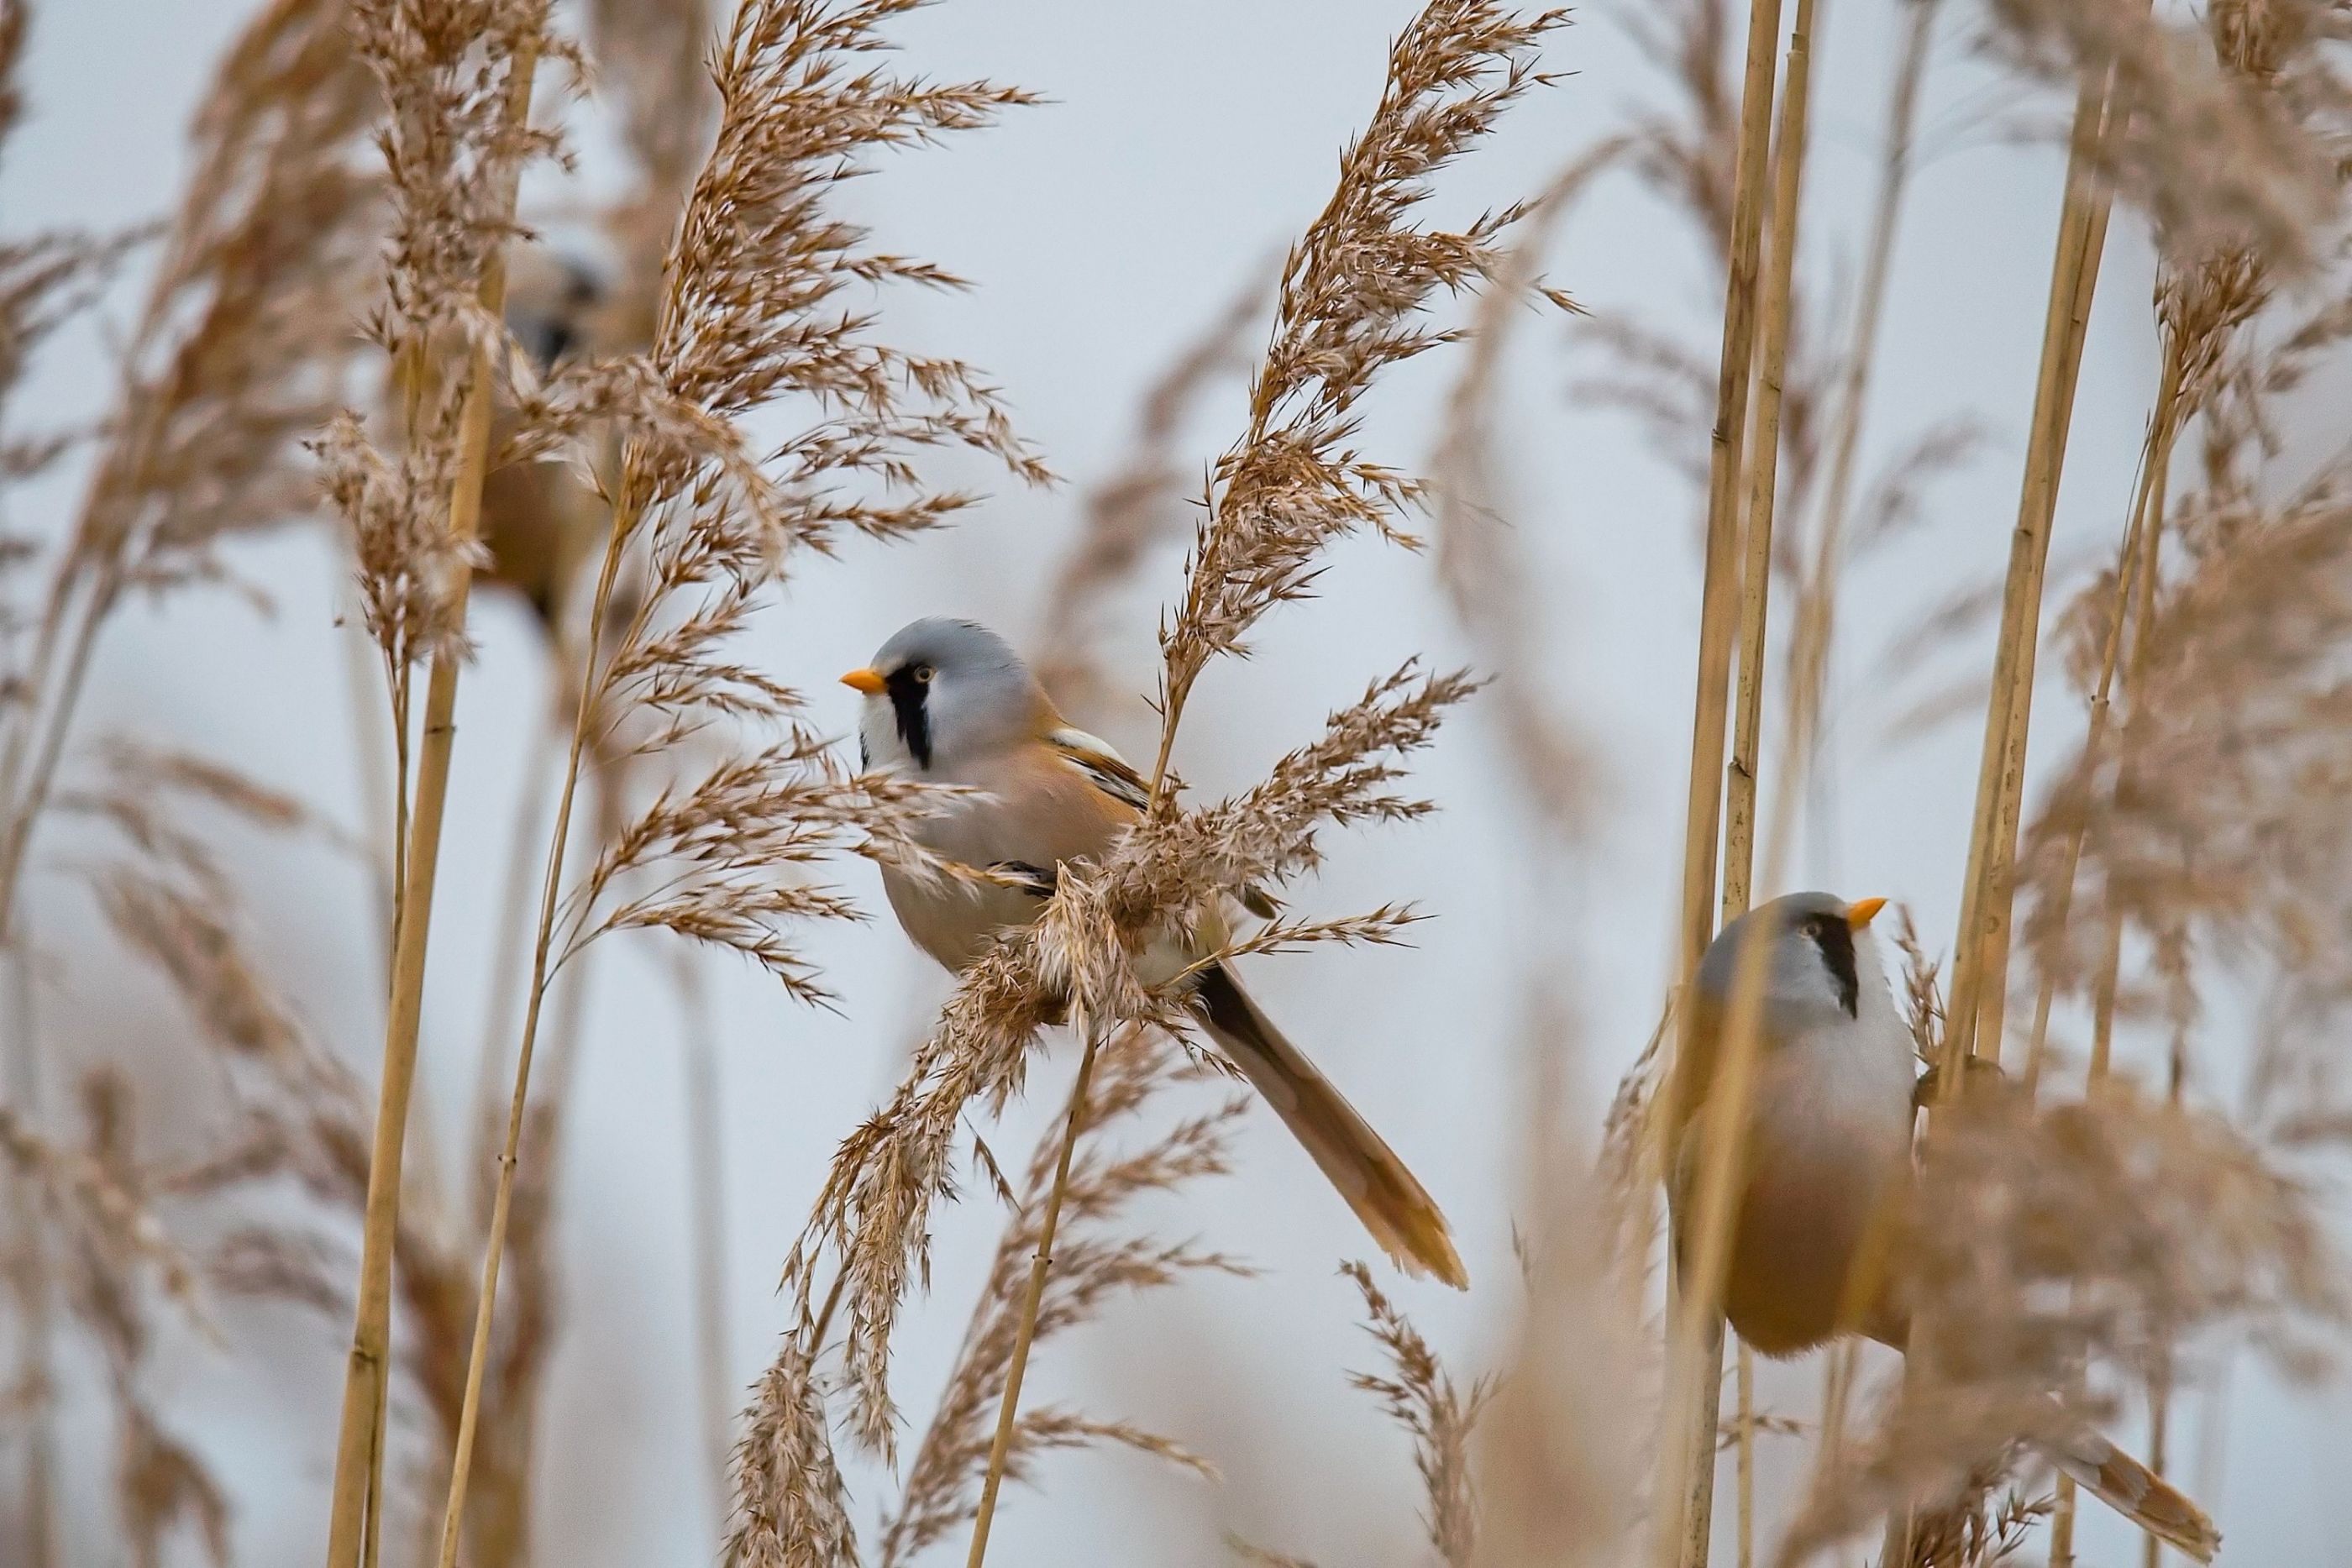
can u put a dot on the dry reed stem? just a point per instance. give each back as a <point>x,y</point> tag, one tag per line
<point>1718,607</point>
<point>230,359</point>
<point>2137,571</point>
<point>1685,1497</point>
<point>1763,458</point>
<point>452,1517</point>
<point>1979,983</point>
<point>1755,595</point>
<point>749,316</point>
<point>1287,489</point>
<point>1353,291</point>
<point>1000,1447</point>
<point>2147,513</point>
<point>358,1502</point>
<point>1980,979</point>
<point>1092,1263</point>
<point>705,1130</point>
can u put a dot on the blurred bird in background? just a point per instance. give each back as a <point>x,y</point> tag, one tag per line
<point>1828,1165</point>
<point>542,522</point>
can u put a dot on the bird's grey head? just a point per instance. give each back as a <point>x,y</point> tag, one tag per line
<point>1823,964</point>
<point>942,693</point>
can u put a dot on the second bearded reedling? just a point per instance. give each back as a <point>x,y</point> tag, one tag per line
<point>950,701</point>
<point>1828,1158</point>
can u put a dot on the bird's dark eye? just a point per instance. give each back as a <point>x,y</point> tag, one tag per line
<point>924,672</point>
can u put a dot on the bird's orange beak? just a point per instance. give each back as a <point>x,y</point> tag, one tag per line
<point>1863,911</point>
<point>868,681</point>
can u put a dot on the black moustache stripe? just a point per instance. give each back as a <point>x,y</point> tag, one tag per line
<point>907,695</point>
<point>1835,937</point>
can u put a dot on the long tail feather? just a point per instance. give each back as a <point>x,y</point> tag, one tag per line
<point>2133,1490</point>
<point>1400,1215</point>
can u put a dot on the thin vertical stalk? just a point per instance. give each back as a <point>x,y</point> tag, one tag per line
<point>1717,606</point>
<point>2147,512</point>
<point>1979,984</point>
<point>34,1381</point>
<point>1981,969</point>
<point>1763,456</point>
<point>2141,609</point>
<point>514,922</point>
<point>2160,1412</point>
<point>1745,1466</point>
<point>706,1222</point>
<point>1685,1491</point>
<point>1979,981</point>
<point>1763,476</point>
<point>1000,1447</point>
<point>375,774</point>
<point>357,1496</point>
<point>1998,910</point>
<point>628,506</point>
<point>2147,518</point>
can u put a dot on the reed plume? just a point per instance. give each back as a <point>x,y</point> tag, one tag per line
<point>1092,1262</point>
<point>751,317</point>
<point>1351,293</point>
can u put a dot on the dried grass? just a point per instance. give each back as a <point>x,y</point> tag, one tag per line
<point>1350,295</point>
<point>2068,1252</point>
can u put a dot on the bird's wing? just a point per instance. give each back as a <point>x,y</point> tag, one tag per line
<point>1101,762</point>
<point>1117,778</point>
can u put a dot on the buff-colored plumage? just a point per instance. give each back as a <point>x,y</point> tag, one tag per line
<point>1828,1160</point>
<point>952,701</point>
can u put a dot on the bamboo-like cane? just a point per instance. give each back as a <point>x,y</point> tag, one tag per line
<point>1718,608</point>
<point>627,510</point>
<point>1763,455</point>
<point>1980,968</point>
<point>2147,513</point>
<point>1024,1332</point>
<point>2008,807</point>
<point>2136,600</point>
<point>358,1501</point>
<point>2128,575</point>
<point>1686,1492</point>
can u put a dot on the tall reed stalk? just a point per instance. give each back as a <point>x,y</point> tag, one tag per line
<point>2135,556</point>
<point>358,1501</point>
<point>2130,585</point>
<point>705,1126</point>
<point>1000,1447</point>
<point>627,513</point>
<point>749,314</point>
<point>1981,964</point>
<point>1755,595</point>
<point>1685,1498</point>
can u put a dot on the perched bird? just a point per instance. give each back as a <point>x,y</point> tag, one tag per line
<point>950,701</point>
<point>541,523</point>
<point>1828,1164</point>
